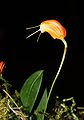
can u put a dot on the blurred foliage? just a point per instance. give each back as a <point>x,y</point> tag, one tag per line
<point>65,109</point>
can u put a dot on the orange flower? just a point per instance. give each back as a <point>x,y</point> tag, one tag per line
<point>54,28</point>
<point>2,64</point>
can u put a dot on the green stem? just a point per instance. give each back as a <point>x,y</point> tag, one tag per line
<point>2,78</point>
<point>11,99</point>
<point>63,57</point>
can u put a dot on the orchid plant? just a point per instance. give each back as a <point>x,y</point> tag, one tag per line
<point>24,108</point>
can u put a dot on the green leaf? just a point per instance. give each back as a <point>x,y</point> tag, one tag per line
<point>30,89</point>
<point>41,106</point>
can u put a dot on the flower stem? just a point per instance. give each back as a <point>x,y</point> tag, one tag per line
<point>59,69</point>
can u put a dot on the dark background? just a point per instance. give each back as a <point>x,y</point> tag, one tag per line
<point>23,57</point>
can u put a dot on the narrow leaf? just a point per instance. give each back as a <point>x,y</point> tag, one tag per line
<point>41,106</point>
<point>30,89</point>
